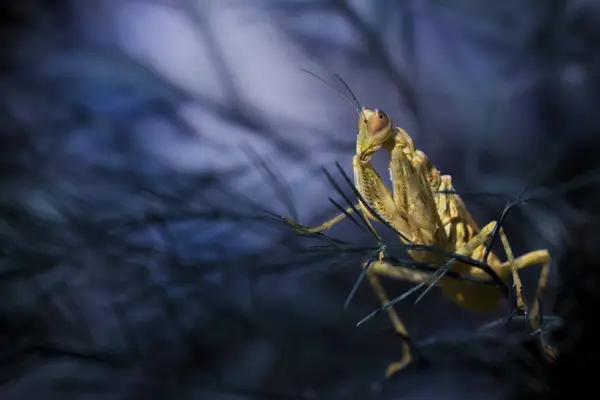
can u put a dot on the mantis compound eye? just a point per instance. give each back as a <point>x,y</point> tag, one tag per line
<point>378,122</point>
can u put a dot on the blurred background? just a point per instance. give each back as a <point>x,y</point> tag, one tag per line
<point>148,146</point>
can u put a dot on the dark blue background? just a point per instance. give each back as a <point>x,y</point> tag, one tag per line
<point>138,256</point>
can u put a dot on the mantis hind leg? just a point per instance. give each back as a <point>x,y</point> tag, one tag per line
<point>383,268</point>
<point>538,257</point>
<point>325,225</point>
<point>512,266</point>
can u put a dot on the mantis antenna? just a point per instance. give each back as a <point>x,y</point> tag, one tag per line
<point>355,105</point>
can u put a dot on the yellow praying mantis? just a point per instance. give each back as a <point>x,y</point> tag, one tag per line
<point>422,208</point>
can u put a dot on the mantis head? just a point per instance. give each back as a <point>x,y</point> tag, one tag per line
<point>374,130</point>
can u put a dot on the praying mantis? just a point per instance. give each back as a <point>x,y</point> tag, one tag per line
<point>423,208</point>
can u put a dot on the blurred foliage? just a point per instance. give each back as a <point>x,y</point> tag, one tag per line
<point>128,277</point>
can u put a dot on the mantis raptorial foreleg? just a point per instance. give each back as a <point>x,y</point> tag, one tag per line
<point>412,195</point>
<point>409,170</point>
